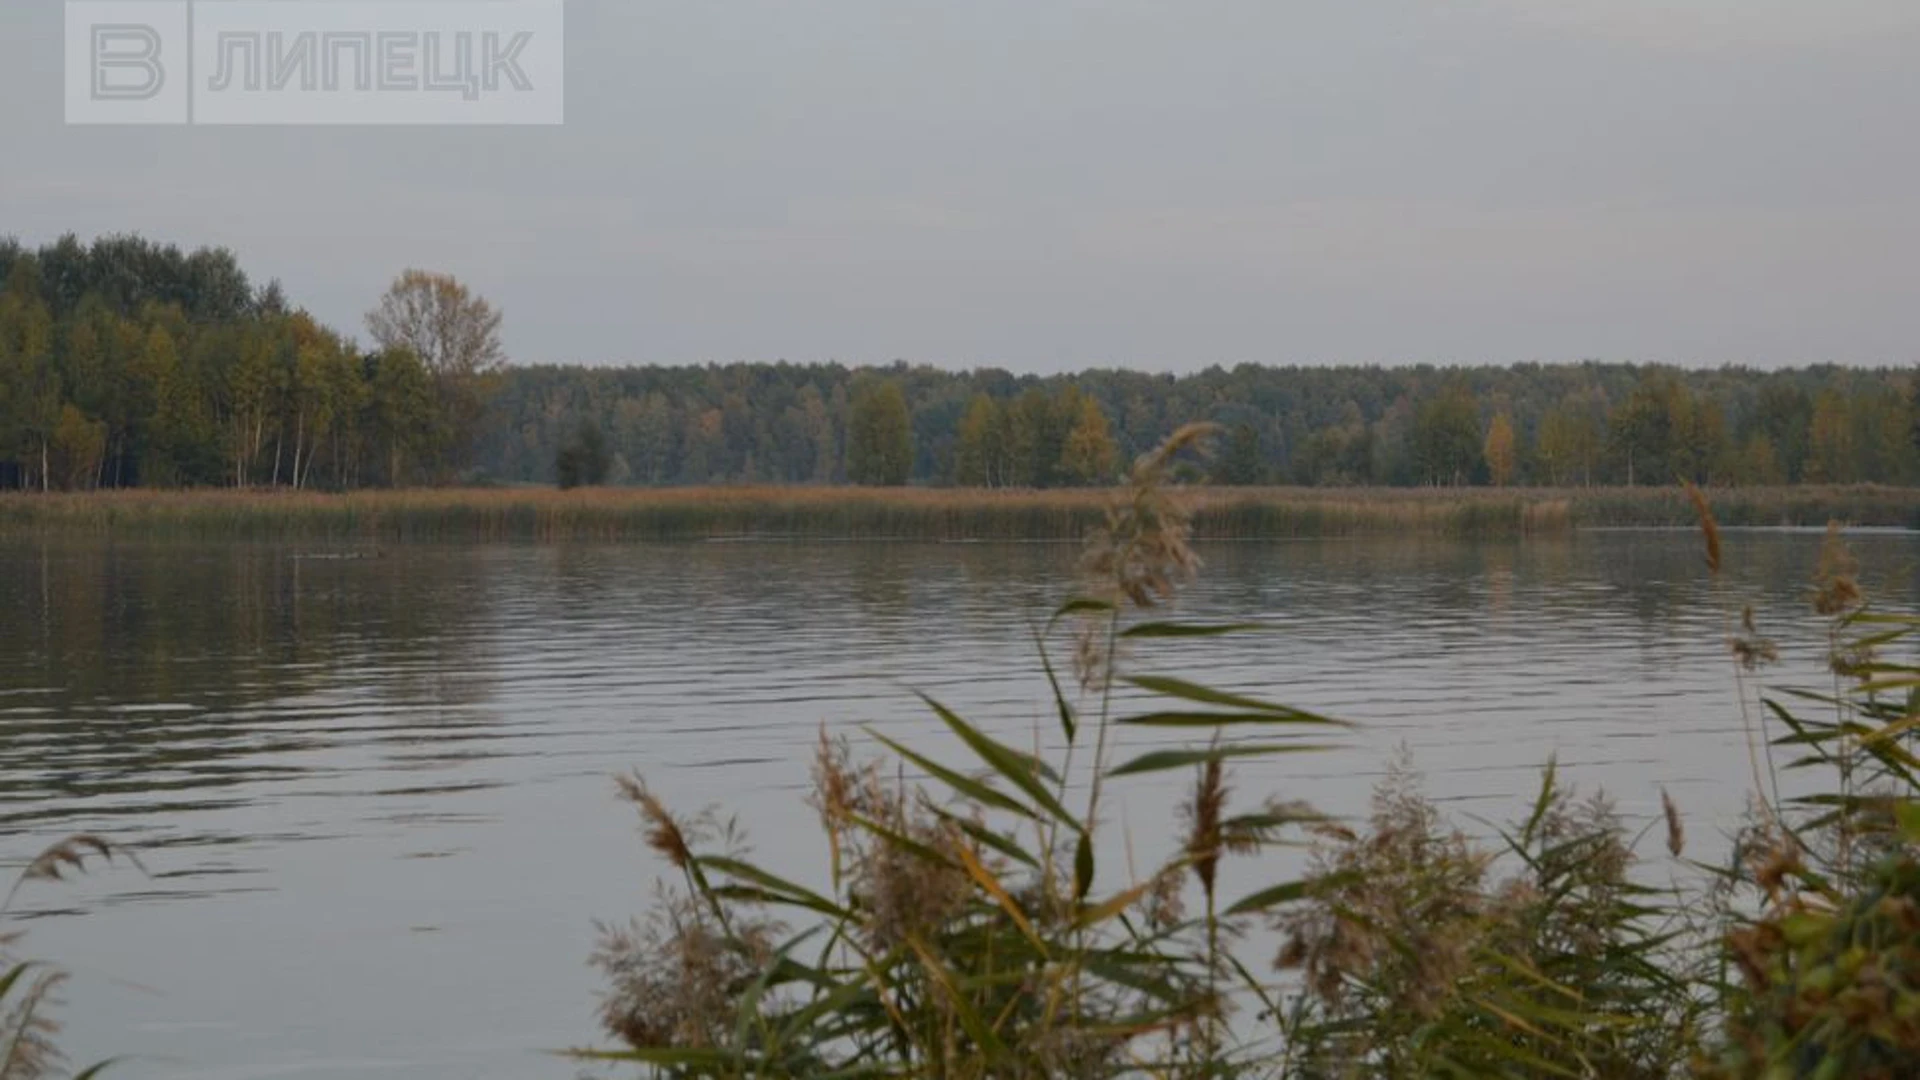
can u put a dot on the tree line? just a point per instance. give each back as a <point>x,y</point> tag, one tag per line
<point>128,363</point>
<point>1541,425</point>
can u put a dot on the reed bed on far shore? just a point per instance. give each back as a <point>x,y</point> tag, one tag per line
<point>923,514</point>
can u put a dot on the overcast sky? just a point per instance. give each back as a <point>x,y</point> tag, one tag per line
<point>1054,184</point>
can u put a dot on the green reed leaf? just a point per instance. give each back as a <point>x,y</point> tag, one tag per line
<point>671,1057</point>
<point>788,891</point>
<point>1541,803</point>
<point>1802,732</point>
<point>1083,605</point>
<point>13,977</point>
<point>1067,723</point>
<point>987,837</point>
<point>1254,985</point>
<point>1885,637</point>
<point>1220,719</point>
<point>1162,760</point>
<point>1021,770</point>
<point>1082,867</point>
<point>1266,821</point>
<point>1884,618</point>
<point>1815,696</point>
<point>900,840</point>
<point>1291,892</point>
<point>976,790</point>
<point>1207,695</point>
<point>837,1003</point>
<point>1146,972</point>
<point>1188,630</point>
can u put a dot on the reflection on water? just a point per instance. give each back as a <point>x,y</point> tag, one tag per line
<point>371,786</point>
<point>147,685</point>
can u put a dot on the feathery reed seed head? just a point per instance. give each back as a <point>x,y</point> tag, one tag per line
<point>1676,829</point>
<point>1709,527</point>
<point>1836,584</point>
<point>662,832</point>
<point>1204,812</point>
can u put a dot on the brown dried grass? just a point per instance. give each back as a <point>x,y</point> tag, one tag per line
<point>926,514</point>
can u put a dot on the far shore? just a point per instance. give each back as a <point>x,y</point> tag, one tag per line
<point>929,514</point>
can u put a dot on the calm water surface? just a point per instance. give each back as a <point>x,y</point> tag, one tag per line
<point>372,788</point>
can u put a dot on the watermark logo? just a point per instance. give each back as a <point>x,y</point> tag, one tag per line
<point>126,63</point>
<point>315,62</point>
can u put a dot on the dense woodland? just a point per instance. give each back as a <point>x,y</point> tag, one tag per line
<point>127,363</point>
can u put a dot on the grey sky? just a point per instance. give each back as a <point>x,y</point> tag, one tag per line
<point>1049,184</point>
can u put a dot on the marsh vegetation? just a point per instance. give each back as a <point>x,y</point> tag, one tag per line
<point>925,514</point>
<point>968,926</point>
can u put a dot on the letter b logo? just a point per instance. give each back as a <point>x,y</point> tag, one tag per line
<point>127,62</point>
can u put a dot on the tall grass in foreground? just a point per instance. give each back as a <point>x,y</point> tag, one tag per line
<point>28,988</point>
<point>970,929</point>
<point>629,514</point>
<point>977,934</point>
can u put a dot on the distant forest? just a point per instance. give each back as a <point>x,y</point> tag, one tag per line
<point>127,363</point>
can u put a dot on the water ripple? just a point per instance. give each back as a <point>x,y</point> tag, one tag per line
<point>320,756</point>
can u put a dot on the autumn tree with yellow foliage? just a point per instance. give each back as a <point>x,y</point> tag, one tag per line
<point>1499,451</point>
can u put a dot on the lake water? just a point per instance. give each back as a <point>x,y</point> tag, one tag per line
<point>372,793</point>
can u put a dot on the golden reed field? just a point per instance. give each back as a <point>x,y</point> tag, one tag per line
<point>926,514</point>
